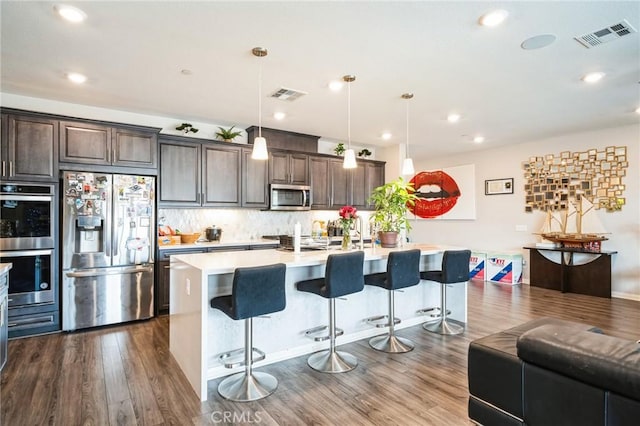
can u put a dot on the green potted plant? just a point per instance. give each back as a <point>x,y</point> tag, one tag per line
<point>187,128</point>
<point>364,153</point>
<point>391,202</point>
<point>227,135</point>
<point>339,149</point>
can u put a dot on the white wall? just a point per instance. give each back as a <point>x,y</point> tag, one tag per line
<point>497,215</point>
<point>167,124</point>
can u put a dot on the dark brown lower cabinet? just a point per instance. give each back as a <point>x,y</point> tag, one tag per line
<point>162,291</point>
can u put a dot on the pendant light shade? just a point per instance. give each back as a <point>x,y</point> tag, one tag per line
<point>259,144</point>
<point>349,159</point>
<point>407,164</point>
<point>349,154</point>
<point>407,167</point>
<point>260,149</point>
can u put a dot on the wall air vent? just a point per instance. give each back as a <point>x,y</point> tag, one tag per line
<point>606,35</point>
<point>285,94</point>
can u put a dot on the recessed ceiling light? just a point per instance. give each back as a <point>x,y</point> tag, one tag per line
<point>386,136</point>
<point>70,13</point>
<point>538,42</point>
<point>279,115</point>
<point>186,72</point>
<point>76,77</point>
<point>493,18</point>
<point>454,117</point>
<point>478,139</point>
<point>593,77</point>
<point>335,85</point>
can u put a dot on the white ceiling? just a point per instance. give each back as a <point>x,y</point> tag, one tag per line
<point>133,54</point>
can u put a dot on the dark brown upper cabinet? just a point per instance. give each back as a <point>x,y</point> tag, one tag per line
<point>91,143</point>
<point>255,184</point>
<point>29,149</point>
<point>289,168</point>
<point>333,186</point>
<point>221,175</point>
<point>202,174</point>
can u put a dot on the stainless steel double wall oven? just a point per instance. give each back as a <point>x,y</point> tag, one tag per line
<point>27,240</point>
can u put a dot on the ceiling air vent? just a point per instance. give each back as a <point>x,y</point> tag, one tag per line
<point>606,35</point>
<point>285,94</point>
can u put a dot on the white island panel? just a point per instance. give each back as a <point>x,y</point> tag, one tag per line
<point>201,333</point>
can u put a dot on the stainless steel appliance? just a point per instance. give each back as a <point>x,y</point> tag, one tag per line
<point>213,234</point>
<point>27,216</point>
<point>31,278</point>
<point>289,197</point>
<point>108,231</point>
<point>4,312</point>
<point>27,220</point>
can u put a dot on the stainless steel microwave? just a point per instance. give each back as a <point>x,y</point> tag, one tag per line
<point>289,197</point>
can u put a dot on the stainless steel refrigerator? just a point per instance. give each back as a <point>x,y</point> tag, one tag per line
<point>108,230</point>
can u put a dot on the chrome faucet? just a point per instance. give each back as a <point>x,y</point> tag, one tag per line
<point>359,230</point>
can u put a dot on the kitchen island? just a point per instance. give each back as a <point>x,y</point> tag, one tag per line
<point>199,334</point>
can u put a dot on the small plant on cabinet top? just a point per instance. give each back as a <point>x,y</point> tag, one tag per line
<point>364,153</point>
<point>186,128</point>
<point>339,149</point>
<point>227,135</point>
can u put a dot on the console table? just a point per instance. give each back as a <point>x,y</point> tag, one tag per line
<point>591,277</point>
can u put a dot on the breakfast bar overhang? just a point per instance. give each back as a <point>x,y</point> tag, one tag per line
<point>199,334</point>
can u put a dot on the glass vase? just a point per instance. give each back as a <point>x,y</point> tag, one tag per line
<point>346,241</point>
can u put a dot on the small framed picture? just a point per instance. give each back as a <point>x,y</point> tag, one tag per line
<point>498,186</point>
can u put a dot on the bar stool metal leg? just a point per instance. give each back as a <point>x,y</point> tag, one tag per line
<point>332,361</point>
<point>443,326</point>
<point>249,385</point>
<point>391,343</point>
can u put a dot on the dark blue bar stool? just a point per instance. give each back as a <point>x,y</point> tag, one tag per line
<point>256,291</point>
<point>343,276</point>
<point>403,270</point>
<point>455,269</point>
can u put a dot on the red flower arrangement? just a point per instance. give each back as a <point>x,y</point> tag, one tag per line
<point>347,215</point>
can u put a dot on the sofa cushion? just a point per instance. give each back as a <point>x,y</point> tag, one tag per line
<point>494,369</point>
<point>603,361</point>
<point>622,411</point>
<point>553,399</point>
<point>495,372</point>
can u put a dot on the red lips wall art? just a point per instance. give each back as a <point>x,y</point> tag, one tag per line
<point>437,194</point>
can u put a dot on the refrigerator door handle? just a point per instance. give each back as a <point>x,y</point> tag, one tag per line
<point>116,235</point>
<point>107,271</point>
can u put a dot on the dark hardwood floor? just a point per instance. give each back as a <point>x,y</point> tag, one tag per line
<point>125,375</point>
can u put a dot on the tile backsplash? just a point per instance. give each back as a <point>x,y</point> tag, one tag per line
<point>246,224</point>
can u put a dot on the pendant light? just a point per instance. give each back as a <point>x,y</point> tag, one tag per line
<point>349,154</point>
<point>407,164</point>
<point>259,144</point>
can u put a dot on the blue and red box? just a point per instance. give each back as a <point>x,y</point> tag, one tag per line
<point>478,266</point>
<point>504,268</point>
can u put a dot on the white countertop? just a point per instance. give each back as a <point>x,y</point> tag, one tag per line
<point>4,267</point>
<point>226,262</point>
<point>222,244</point>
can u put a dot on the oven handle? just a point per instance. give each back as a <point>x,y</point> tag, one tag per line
<point>13,197</point>
<point>108,271</point>
<point>26,253</point>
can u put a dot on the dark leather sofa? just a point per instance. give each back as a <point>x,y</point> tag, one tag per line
<point>554,372</point>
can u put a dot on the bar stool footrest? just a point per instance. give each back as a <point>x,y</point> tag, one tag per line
<point>237,352</point>
<point>312,333</point>
<point>376,321</point>
<point>431,313</point>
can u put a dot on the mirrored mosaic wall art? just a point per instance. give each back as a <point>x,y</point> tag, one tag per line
<point>553,181</point>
